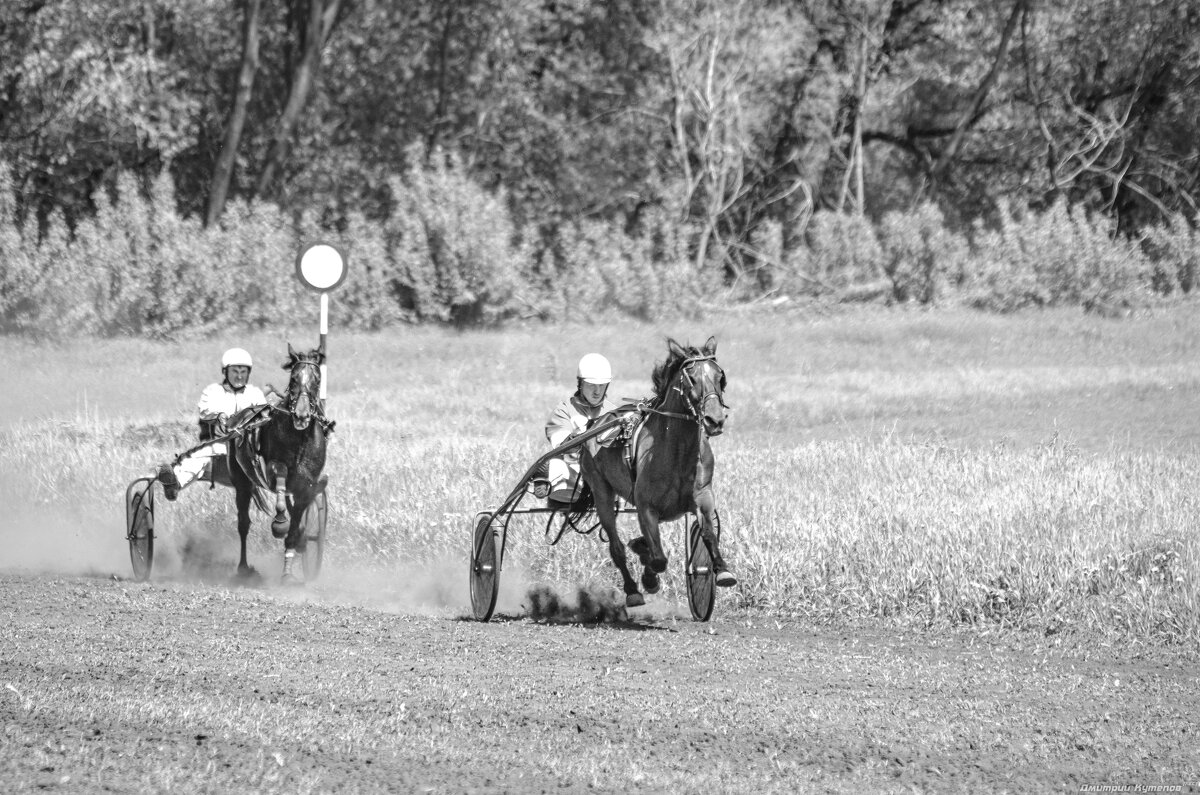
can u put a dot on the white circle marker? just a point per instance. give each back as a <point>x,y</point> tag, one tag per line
<point>321,267</point>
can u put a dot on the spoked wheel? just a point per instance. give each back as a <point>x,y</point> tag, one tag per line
<point>313,523</point>
<point>139,526</point>
<point>701,577</point>
<point>485,567</point>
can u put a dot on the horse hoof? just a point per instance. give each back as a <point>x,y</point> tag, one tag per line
<point>291,581</point>
<point>634,600</point>
<point>650,581</point>
<point>725,579</point>
<point>279,529</point>
<point>659,566</point>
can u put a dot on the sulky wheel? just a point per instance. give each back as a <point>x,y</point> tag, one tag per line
<point>701,578</point>
<point>485,567</point>
<point>139,526</point>
<point>313,523</point>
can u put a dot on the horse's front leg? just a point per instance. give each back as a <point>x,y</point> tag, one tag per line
<point>706,506</point>
<point>295,541</point>
<point>279,524</point>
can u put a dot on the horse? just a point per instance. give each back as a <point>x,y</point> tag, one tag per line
<point>670,469</point>
<point>289,460</point>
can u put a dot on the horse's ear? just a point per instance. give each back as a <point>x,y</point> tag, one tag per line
<point>291,357</point>
<point>676,349</point>
<point>710,347</point>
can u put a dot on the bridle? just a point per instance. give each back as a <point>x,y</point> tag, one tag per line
<point>695,407</point>
<point>295,392</point>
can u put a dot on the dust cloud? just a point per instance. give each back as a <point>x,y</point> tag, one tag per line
<point>593,604</point>
<point>61,539</point>
<point>590,605</point>
<point>69,540</point>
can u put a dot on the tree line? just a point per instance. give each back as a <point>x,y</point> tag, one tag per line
<point>734,123</point>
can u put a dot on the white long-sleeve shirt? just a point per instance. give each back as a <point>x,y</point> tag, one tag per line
<point>221,399</point>
<point>573,414</point>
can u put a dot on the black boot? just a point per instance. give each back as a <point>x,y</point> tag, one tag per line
<point>170,483</point>
<point>541,480</point>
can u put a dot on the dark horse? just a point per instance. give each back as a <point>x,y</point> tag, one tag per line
<point>289,459</point>
<point>671,467</point>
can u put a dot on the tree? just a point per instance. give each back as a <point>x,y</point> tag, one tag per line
<point>223,170</point>
<point>727,66</point>
<point>315,20</point>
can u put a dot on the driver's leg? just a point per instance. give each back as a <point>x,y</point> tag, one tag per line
<point>177,478</point>
<point>563,478</point>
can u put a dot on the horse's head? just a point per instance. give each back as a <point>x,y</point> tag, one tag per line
<point>304,385</point>
<point>700,381</point>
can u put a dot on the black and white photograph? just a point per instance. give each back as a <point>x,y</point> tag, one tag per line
<point>600,396</point>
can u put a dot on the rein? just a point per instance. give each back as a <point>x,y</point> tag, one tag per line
<point>318,414</point>
<point>262,417</point>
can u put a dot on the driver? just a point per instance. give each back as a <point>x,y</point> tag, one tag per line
<point>218,402</point>
<point>571,417</point>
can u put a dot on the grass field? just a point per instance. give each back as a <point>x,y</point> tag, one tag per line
<point>937,469</point>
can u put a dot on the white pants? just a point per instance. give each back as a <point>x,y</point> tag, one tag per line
<point>564,478</point>
<point>190,468</point>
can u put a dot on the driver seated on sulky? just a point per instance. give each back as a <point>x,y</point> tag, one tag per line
<point>570,418</point>
<point>218,402</point>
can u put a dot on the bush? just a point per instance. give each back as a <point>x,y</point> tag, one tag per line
<point>843,251</point>
<point>21,278</point>
<point>448,251</point>
<point>599,268</point>
<point>1175,249</point>
<point>454,242</point>
<point>1059,257</point>
<point>921,257</point>
<point>371,297</point>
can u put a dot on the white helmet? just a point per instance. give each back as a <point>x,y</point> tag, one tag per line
<point>236,356</point>
<point>594,369</point>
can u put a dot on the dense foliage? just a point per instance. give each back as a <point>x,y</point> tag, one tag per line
<point>628,154</point>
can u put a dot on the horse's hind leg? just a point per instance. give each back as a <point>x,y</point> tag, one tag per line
<point>242,495</point>
<point>606,512</point>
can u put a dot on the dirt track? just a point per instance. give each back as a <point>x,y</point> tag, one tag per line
<point>107,684</point>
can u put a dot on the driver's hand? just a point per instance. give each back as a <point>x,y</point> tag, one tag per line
<point>222,420</point>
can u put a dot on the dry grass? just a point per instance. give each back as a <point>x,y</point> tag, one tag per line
<point>1033,470</point>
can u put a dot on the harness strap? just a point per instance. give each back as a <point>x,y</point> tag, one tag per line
<point>318,414</point>
<point>674,414</point>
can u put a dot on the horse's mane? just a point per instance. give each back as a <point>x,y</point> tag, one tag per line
<point>666,370</point>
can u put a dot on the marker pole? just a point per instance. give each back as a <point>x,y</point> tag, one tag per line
<point>324,332</point>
